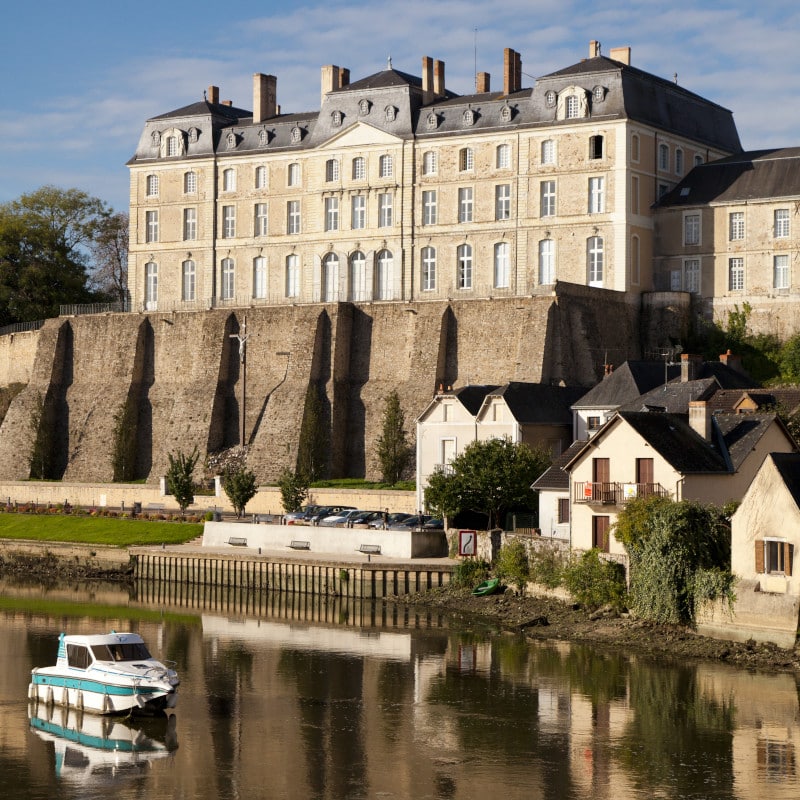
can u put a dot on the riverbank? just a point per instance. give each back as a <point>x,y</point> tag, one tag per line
<point>547,618</point>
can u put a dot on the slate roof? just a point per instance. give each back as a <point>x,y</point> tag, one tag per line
<point>788,398</point>
<point>384,79</point>
<point>752,175</point>
<point>741,433</point>
<point>626,383</point>
<point>673,397</point>
<point>204,108</point>
<point>788,466</point>
<point>471,397</point>
<point>555,478</point>
<point>538,403</point>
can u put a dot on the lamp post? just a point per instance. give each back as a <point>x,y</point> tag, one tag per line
<point>242,337</point>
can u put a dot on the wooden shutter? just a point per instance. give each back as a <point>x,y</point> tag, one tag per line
<point>644,470</point>
<point>759,555</point>
<point>563,510</point>
<point>787,558</point>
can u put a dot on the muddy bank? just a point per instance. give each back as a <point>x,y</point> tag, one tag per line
<point>549,618</point>
<point>53,562</point>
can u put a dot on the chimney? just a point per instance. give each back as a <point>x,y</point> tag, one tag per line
<point>344,77</point>
<point>264,96</point>
<point>213,94</point>
<point>228,103</point>
<point>622,54</point>
<point>330,80</point>
<point>700,418</point>
<point>690,367</point>
<point>482,83</point>
<point>427,80</point>
<point>512,71</point>
<point>438,78</point>
<point>732,361</point>
<point>594,48</point>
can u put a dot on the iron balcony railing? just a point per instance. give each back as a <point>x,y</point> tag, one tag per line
<point>614,493</point>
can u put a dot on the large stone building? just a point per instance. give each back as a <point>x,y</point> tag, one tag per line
<point>399,189</point>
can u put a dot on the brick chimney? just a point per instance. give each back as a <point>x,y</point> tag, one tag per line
<point>483,82</point>
<point>331,79</point>
<point>438,78</point>
<point>622,54</point>
<point>700,418</point>
<point>264,97</point>
<point>228,103</point>
<point>691,365</point>
<point>213,94</point>
<point>594,48</point>
<point>344,77</point>
<point>427,80</point>
<point>732,361</point>
<point>512,71</point>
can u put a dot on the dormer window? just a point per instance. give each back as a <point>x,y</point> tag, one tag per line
<point>571,108</point>
<point>172,145</point>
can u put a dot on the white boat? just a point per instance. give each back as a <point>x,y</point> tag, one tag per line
<point>111,673</point>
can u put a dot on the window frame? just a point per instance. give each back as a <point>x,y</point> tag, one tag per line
<point>293,174</point>
<point>547,198</point>
<point>293,218</point>
<point>151,185</point>
<point>692,234</point>
<point>430,162</point>
<point>780,225</point>
<point>188,281</point>
<point>385,166</point>
<point>428,269</point>
<point>189,224</point>
<point>547,261</point>
<point>466,159</point>
<point>595,261</point>
<point>292,275</point>
<point>227,283</point>
<point>597,192</point>
<point>780,274</point>
<point>464,266</point>
<point>331,212</point>
<point>736,222</point>
<point>429,207</point>
<point>736,274</point>
<point>229,222</point>
<point>385,209</point>
<point>190,182</point>
<point>261,219</point>
<point>502,202</point>
<point>465,204</point>
<point>503,156</point>
<point>502,265</point>
<point>547,153</point>
<point>229,179</point>
<point>260,177</point>
<point>260,276</point>
<point>151,226</point>
<point>359,169</point>
<point>358,212</point>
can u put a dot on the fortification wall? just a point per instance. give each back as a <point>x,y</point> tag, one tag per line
<point>17,353</point>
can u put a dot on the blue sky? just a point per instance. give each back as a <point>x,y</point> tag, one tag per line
<point>81,77</point>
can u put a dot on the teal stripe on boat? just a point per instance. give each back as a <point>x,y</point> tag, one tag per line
<point>98,687</point>
<point>71,735</point>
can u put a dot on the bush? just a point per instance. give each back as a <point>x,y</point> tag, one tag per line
<point>547,566</point>
<point>470,572</point>
<point>512,564</point>
<point>594,582</point>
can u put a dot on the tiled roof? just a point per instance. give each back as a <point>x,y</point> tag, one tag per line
<point>628,382</point>
<point>555,478</point>
<point>534,403</point>
<point>673,397</point>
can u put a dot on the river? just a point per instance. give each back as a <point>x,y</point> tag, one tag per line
<point>289,696</point>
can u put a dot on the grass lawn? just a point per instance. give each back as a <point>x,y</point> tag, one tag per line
<point>95,530</point>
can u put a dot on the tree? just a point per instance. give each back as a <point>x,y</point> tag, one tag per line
<point>312,449</point>
<point>110,254</point>
<point>123,457</point>
<point>491,477</point>
<point>240,486</point>
<point>294,490</point>
<point>45,244</point>
<point>180,480</point>
<point>394,451</point>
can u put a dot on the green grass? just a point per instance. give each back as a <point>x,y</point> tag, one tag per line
<point>95,530</point>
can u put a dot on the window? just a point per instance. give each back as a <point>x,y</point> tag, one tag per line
<point>465,159</point>
<point>188,281</point>
<point>359,168</point>
<point>600,533</point>
<point>228,180</point>
<point>547,262</point>
<point>331,170</point>
<point>679,162</point>
<point>429,165</point>
<point>190,182</point>
<point>329,282</point>
<point>593,423</point>
<point>636,266</point>
<point>662,190</point>
<point>780,272</point>
<point>189,224</point>
<point>150,285</point>
<point>691,229</point>
<point>563,510</point>
<point>774,555</point>
<point>261,177</point>
<point>429,207</point>
<point>502,201</point>
<point>228,276</point>
<point>594,257</point>
<point>293,175</point>
<point>260,220</point>
<point>663,157</point>
<point>259,277</point>
<point>428,269</point>
<point>151,226</point>
<point>735,274</point>
<point>385,210</point>
<point>331,213</point>
<point>358,217</point>
<point>503,156</point>
<point>634,194</point>
<point>358,277</point>
<point>383,275</point>
<point>698,160</point>
<point>596,195</point>
<point>292,275</point>
<point>152,185</point>
<point>736,225</point>
<point>464,259</point>
<point>465,204</point>
<point>502,265</point>
<point>572,107</point>
<point>691,275</point>
<point>293,216</point>
<point>548,151</point>
<point>781,227</point>
<point>172,146</point>
<point>385,167</point>
<point>595,147</point>
<point>547,196</point>
<point>635,147</point>
<point>228,222</point>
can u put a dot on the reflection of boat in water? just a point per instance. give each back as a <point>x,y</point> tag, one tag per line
<point>96,748</point>
<point>110,673</point>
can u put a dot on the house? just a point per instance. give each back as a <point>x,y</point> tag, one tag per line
<point>707,457</point>
<point>554,498</point>
<point>765,534</point>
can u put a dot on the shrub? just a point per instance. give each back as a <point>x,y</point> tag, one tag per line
<point>470,572</point>
<point>547,566</point>
<point>594,582</point>
<point>512,565</point>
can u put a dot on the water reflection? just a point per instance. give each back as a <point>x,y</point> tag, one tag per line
<point>292,698</point>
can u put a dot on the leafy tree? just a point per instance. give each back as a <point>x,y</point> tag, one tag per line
<point>240,486</point>
<point>123,458</point>
<point>41,441</point>
<point>312,450</point>
<point>294,490</point>
<point>394,451</point>
<point>790,359</point>
<point>45,242</point>
<point>180,480</point>
<point>110,254</point>
<point>512,564</point>
<point>490,477</point>
<point>595,582</point>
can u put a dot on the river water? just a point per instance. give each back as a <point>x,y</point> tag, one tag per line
<point>297,697</point>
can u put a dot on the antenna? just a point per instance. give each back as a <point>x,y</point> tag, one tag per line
<point>475,72</point>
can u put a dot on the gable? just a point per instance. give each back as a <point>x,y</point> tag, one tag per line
<point>360,135</point>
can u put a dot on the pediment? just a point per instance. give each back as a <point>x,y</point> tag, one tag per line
<point>360,134</point>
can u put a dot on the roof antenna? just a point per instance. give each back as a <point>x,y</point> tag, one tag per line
<point>205,96</point>
<point>476,59</point>
<point>389,63</point>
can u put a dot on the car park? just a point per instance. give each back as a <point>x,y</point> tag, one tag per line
<point>392,519</point>
<point>294,517</point>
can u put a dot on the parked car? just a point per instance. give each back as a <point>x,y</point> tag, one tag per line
<point>411,522</point>
<point>327,511</point>
<point>340,518</point>
<point>299,516</point>
<point>392,519</point>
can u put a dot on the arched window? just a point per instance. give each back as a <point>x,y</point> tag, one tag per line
<point>547,262</point>
<point>384,268</point>
<point>503,156</point>
<point>502,265</point>
<point>679,162</point>
<point>189,182</point>
<point>259,277</point>
<point>293,175</point>
<point>172,146</point>
<point>261,177</point>
<point>572,107</point>
<point>152,185</point>
<point>229,180</point>
<point>358,277</point>
<point>359,168</point>
<point>385,166</point>
<point>594,259</point>
<point>228,279</point>
<point>428,272</point>
<point>292,275</point>
<point>331,170</point>
<point>548,151</point>
<point>188,281</point>
<point>151,286</point>
<point>464,266</point>
<point>329,280</point>
<point>429,162</point>
<point>466,159</point>
<point>663,157</point>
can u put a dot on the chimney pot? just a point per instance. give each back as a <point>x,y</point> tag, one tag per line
<point>213,94</point>
<point>622,54</point>
<point>483,83</point>
<point>691,365</point>
<point>438,78</point>
<point>700,418</point>
<point>427,80</point>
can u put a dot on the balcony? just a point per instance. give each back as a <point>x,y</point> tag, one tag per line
<point>614,494</point>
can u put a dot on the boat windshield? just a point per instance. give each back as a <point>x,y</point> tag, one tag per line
<point>120,652</point>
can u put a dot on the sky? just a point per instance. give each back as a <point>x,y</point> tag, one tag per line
<point>80,78</point>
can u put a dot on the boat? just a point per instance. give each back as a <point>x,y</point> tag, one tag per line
<point>487,587</point>
<point>111,673</point>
